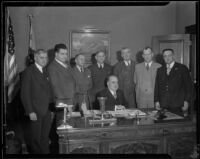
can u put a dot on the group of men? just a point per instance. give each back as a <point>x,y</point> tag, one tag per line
<point>143,85</point>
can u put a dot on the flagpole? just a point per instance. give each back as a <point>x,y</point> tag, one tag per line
<point>30,59</point>
<point>5,107</point>
<point>30,17</point>
<point>5,83</point>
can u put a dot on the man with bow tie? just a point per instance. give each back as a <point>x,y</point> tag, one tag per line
<point>37,97</point>
<point>173,87</point>
<point>124,70</point>
<point>144,77</point>
<point>83,82</point>
<point>114,96</point>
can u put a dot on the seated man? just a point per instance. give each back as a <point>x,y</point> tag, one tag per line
<point>114,96</point>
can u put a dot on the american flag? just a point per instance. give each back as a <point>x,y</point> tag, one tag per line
<point>11,76</point>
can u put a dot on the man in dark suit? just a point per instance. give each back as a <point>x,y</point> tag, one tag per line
<point>83,80</point>
<point>61,79</point>
<point>173,86</point>
<point>114,96</point>
<point>99,72</point>
<point>124,70</point>
<point>36,97</point>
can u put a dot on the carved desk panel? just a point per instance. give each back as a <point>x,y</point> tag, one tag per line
<point>174,138</point>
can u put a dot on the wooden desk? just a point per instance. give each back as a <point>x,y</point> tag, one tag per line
<point>174,138</point>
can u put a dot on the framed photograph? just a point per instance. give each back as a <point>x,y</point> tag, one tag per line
<point>88,42</point>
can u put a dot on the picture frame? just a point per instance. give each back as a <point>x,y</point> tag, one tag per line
<point>88,42</point>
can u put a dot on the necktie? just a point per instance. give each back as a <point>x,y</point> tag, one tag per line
<point>82,69</point>
<point>168,69</point>
<point>115,95</point>
<point>101,67</point>
<point>147,66</point>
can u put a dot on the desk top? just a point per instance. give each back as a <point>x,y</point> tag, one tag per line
<point>82,123</point>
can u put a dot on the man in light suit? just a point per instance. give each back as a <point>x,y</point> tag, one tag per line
<point>114,96</point>
<point>61,79</point>
<point>124,70</point>
<point>83,82</point>
<point>37,98</point>
<point>173,87</point>
<point>144,78</point>
<point>99,71</point>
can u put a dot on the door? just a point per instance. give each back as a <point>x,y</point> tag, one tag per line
<point>180,43</point>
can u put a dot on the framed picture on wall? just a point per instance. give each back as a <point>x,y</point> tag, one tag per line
<point>88,42</point>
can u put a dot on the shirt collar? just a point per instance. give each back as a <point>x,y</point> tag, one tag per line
<point>79,68</point>
<point>39,67</point>
<point>127,62</point>
<point>100,64</point>
<point>64,65</point>
<point>171,64</point>
<point>112,92</point>
<point>148,63</point>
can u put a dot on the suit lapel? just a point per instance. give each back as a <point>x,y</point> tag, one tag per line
<point>64,70</point>
<point>110,94</point>
<point>173,71</point>
<point>42,79</point>
<point>37,71</point>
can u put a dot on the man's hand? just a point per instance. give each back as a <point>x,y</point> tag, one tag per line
<point>157,105</point>
<point>33,116</point>
<point>185,107</point>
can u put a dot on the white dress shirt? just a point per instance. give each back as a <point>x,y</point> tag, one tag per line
<point>127,62</point>
<point>80,68</point>
<point>170,65</point>
<point>102,65</point>
<point>39,67</point>
<point>148,64</point>
<point>113,93</point>
<point>64,65</point>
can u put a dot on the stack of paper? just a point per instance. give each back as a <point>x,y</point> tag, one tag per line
<point>135,112</point>
<point>64,127</point>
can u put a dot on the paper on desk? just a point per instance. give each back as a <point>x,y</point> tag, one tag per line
<point>92,113</point>
<point>134,112</point>
<point>62,105</point>
<point>127,112</point>
<point>76,114</point>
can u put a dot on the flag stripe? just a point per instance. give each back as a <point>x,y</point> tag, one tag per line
<point>12,60</point>
<point>11,76</point>
<point>12,89</point>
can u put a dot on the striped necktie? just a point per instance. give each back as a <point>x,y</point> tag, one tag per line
<point>100,67</point>
<point>115,95</point>
<point>147,66</point>
<point>82,70</point>
<point>168,69</point>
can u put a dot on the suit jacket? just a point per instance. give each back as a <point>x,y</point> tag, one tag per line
<point>83,82</point>
<point>173,89</point>
<point>126,81</point>
<point>36,94</point>
<point>145,83</point>
<point>98,77</point>
<point>62,82</point>
<point>110,100</point>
